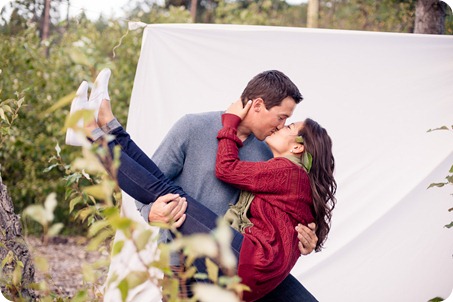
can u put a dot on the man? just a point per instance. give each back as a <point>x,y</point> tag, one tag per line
<point>187,155</point>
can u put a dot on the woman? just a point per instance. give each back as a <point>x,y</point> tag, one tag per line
<point>296,186</point>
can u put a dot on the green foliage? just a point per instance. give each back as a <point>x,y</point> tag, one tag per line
<point>9,111</point>
<point>81,50</point>
<point>154,13</point>
<point>385,15</point>
<point>44,215</point>
<point>263,12</point>
<point>11,274</point>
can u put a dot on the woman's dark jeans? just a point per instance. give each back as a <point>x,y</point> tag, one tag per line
<point>140,177</point>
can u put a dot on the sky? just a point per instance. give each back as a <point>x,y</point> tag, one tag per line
<point>93,8</point>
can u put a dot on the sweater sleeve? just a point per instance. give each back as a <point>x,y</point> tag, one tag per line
<point>256,177</point>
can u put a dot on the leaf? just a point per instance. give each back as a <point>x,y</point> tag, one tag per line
<point>197,245</point>
<point>143,239</point>
<point>89,274</point>
<point>124,289</point>
<point>8,259</point>
<point>97,191</point>
<point>41,264</point>
<point>224,235</point>
<point>17,275</point>
<point>58,149</point>
<point>163,261</point>
<point>7,108</point>
<point>170,288</point>
<point>86,175</point>
<point>80,296</point>
<point>19,102</point>
<point>121,223</point>
<point>209,293</point>
<point>84,213</point>
<point>89,162</point>
<point>450,225</point>
<point>230,281</point>
<point>74,202</point>
<point>441,184</point>
<point>213,270</point>
<point>440,128</point>
<point>48,169</point>
<point>64,101</point>
<point>49,206</point>
<point>78,57</point>
<point>100,239</point>
<point>135,278</point>
<point>36,213</point>
<point>72,178</point>
<point>117,247</point>
<point>55,229</point>
<point>189,273</point>
<point>2,114</point>
<point>97,226</point>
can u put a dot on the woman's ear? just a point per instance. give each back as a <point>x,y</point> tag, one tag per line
<point>298,149</point>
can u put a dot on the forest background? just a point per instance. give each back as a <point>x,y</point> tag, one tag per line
<point>44,65</point>
<point>45,54</point>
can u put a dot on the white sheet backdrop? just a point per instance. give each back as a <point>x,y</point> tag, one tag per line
<point>377,94</point>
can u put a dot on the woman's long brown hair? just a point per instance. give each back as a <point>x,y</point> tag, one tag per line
<point>323,185</point>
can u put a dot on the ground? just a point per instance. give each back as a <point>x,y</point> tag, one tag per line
<point>65,256</point>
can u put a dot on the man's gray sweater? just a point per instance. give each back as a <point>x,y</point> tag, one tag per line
<point>187,156</point>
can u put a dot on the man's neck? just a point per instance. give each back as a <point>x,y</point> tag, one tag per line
<point>243,132</point>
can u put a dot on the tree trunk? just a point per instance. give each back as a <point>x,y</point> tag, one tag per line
<point>430,17</point>
<point>11,240</point>
<point>193,10</point>
<point>313,13</point>
<point>46,21</point>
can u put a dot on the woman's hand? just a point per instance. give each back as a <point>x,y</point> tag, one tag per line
<point>307,238</point>
<point>238,109</point>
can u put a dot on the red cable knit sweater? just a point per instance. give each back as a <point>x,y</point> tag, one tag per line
<point>282,200</point>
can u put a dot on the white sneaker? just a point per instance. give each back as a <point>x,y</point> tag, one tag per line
<point>77,104</point>
<point>100,91</point>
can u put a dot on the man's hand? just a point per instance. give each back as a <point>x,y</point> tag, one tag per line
<point>169,208</point>
<point>238,109</point>
<point>307,238</point>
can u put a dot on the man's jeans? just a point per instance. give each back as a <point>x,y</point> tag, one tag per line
<point>290,290</point>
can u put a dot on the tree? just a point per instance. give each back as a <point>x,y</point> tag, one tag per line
<point>430,17</point>
<point>16,271</point>
<point>313,13</point>
<point>16,267</point>
<point>45,13</point>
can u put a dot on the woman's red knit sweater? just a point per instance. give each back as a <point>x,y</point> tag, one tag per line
<point>283,199</point>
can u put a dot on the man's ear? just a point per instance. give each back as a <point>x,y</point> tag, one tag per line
<point>258,105</point>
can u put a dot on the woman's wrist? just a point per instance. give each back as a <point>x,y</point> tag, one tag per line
<point>230,120</point>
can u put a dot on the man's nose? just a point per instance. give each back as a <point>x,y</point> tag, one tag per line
<point>281,125</point>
